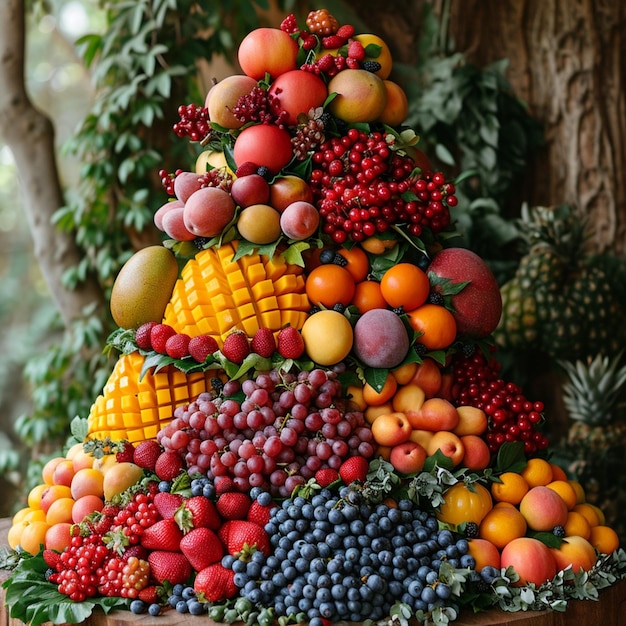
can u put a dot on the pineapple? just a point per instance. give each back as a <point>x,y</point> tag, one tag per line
<point>216,294</point>
<point>561,301</point>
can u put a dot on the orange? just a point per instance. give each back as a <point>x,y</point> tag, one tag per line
<point>372,397</point>
<point>33,536</point>
<point>436,325</point>
<point>604,539</point>
<point>501,525</point>
<point>330,284</point>
<point>537,472</point>
<point>589,512</point>
<point>566,491</point>
<point>580,492</point>
<point>599,513</point>
<point>368,296</point>
<point>558,473</point>
<point>512,488</point>
<point>577,524</point>
<point>405,285</point>
<point>358,263</point>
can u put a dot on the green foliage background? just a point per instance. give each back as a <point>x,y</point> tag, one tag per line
<point>143,62</point>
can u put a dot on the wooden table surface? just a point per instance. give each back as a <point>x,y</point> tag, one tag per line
<point>610,610</point>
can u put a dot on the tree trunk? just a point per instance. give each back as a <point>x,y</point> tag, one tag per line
<point>567,62</point>
<point>30,137</point>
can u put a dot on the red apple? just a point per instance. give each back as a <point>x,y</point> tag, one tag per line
<point>478,306</point>
<point>263,144</point>
<point>296,92</point>
<point>408,457</point>
<point>268,50</point>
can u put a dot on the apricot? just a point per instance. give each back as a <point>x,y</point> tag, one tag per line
<point>318,328</point>
<point>391,429</point>
<point>397,105</point>
<point>223,97</point>
<point>449,444</point>
<point>484,553</point>
<point>87,481</point>
<point>259,224</point>
<point>472,421</point>
<point>361,96</point>
<point>543,508</point>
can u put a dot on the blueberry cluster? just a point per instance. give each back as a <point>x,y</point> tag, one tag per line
<point>337,558</point>
<point>184,600</point>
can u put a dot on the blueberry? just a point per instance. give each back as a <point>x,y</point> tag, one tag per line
<point>137,607</point>
<point>164,486</point>
<point>155,609</point>
<point>181,607</point>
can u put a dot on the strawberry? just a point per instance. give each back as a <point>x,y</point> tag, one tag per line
<point>289,24</point>
<point>167,503</point>
<point>197,512</point>
<point>159,334</point>
<point>51,558</point>
<point>333,41</point>
<point>354,468</point>
<point>236,347</point>
<point>233,505</point>
<point>241,536</point>
<point>201,347</point>
<point>202,547</point>
<point>246,168</point>
<point>223,484</point>
<point>171,566</point>
<point>263,342</point>
<point>163,535</point>
<point>356,51</point>
<point>168,465</point>
<point>260,514</point>
<point>177,346</point>
<point>125,452</point>
<point>215,583</point>
<point>150,594</point>
<point>146,454</point>
<point>290,343</point>
<point>137,551</point>
<point>142,336</point>
<point>326,476</point>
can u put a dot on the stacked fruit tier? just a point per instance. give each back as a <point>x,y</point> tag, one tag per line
<point>306,421</point>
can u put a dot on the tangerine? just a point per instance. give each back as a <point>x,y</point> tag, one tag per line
<point>501,525</point>
<point>566,491</point>
<point>436,325</point>
<point>589,512</point>
<point>372,397</point>
<point>358,264</point>
<point>577,524</point>
<point>604,539</point>
<point>330,284</point>
<point>368,296</point>
<point>405,285</point>
<point>512,488</point>
<point>538,472</point>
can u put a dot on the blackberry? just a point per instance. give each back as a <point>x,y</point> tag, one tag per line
<point>326,118</point>
<point>314,309</point>
<point>399,310</point>
<point>340,308</point>
<point>217,384</point>
<point>421,349</point>
<point>200,242</point>
<point>264,172</point>
<point>340,260</point>
<point>371,66</point>
<point>559,531</point>
<point>434,297</point>
<point>471,529</point>
<point>468,349</point>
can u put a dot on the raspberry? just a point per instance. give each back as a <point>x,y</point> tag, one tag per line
<point>263,342</point>
<point>289,24</point>
<point>346,31</point>
<point>333,41</point>
<point>142,336</point>
<point>201,346</point>
<point>326,62</point>
<point>356,51</point>
<point>352,64</point>
<point>177,346</point>
<point>236,347</point>
<point>290,343</point>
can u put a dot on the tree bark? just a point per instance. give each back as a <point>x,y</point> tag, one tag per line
<point>30,137</point>
<point>567,62</point>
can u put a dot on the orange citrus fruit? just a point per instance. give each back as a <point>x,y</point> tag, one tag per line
<point>566,491</point>
<point>512,488</point>
<point>537,472</point>
<point>577,524</point>
<point>501,525</point>
<point>580,492</point>
<point>604,539</point>
<point>373,397</point>
<point>368,296</point>
<point>436,325</point>
<point>589,512</point>
<point>358,263</point>
<point>330,284</point>
<point>558,473</point>
<point>405,285</point>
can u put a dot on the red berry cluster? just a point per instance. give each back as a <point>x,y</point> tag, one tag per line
<point>361,187</point>
<point>193,123</point>
<point>167,180</point>
<point>140,513</point>
<point>123,577</point>
<point>261,107</point>
<point>162,338</point>
<point>512,417</point>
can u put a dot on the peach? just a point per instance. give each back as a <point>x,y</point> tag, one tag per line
<point>575,551</point>
<point>58,536</point>
<point>263,144</point>
<point>397,105</point>
<point>428,377</point>
<point>173,223</point>
<point>405,372</point>
<point>86,505</point>
<point>53,493</point>
<point>449,444</point>
<point>296,92</point>
<point>472,421</point>
<point>162,210</point>
<point>49,467</point>
<point>421,436</point>
<point>380,338</point>
<point>531,559</point>
<point>543,508</point>
<point>485,553</point>
<point>391,429</point>
<point>185,184</point>
<point>60,511</point>
<point>208,211</point>
<point>408,457</point>
<point>477,455</point>
<point>436,414</point>
<point>87,481</point>
<point>409,400</point>
<point>120,477</point>
<point>251,189</point>
<point>63,473</point>
<point>360,96</point>
<point>259,224</point>
<point>82,460</point>
<point>372,412</point>
<point>268,50</point>
<point>287,189</point>
<point>300,220</point>
<point>223,97</point>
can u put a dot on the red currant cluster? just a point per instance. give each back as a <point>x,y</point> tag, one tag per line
<point>260,106</point>
<point>123,577</point>
<point>361,187</point>
<point>77,567</point>
<point>140,513</point>
<point>193,123</point>
<point>167,180</point>
<point>512,417</point>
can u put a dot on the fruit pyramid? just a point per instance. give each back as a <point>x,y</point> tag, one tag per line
<point>306,421</point>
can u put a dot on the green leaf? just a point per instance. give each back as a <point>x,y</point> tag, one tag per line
<point>376,377</point>
<point>510,457</point>
<point>293,254</point>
